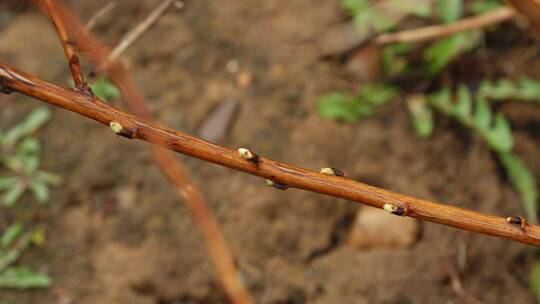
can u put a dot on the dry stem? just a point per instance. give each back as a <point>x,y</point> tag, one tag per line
<point>98,15</point>
<point>437,31</point>
<point>139,30</point>
<point>337,186</point>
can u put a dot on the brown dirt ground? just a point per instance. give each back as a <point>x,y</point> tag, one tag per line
<point>117,233</point>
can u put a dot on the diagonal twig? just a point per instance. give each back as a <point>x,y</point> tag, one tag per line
<point>280,175</point>
<point>140,29</point>
<point>73,60</point>
<point>437,31</point>
<point>98,15</point>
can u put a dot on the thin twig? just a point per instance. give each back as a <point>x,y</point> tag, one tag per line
<point>513,228</point>
<point>98,15</point>
<point>140,29</point>
<point>73,60</point>
<point>170,166</point>
<point>437,31</point>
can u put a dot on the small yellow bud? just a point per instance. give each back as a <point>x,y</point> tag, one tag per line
<point>245,153</point>
<point>389,208</point>
<point>332,171</point>
<point>116,127</point>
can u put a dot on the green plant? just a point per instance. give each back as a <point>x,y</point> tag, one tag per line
<point>20,155</point>
<point>476,114</point>
<point>351,108</point>
<point>13,243</point>
<point>470,108</point>
<point>105,89</point>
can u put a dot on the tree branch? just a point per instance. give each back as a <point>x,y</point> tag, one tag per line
<point>73,60</point>
<point>171,167</point>
<point>437,31</point>
<point>284,175</point>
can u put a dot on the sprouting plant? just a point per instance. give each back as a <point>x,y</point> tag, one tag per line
<point>473,112</point>
<point>20,155</point>
<point>103,88</point>
<point>476,114</point>
<point>13,243</point>
<point>351,108</point>
<point>371,19</point>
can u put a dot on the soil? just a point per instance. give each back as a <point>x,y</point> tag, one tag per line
<point>118,233</point>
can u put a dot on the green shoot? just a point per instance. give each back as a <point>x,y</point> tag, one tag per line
<point>13,243</point>
<point>20,155</point>
<point>352,108</point>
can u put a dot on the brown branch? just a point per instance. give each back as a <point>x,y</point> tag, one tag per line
<point>169,165</point>
<point>73,60</point>
<point>437,31</point>
<point>282,175</point>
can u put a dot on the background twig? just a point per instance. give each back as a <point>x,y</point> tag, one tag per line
<point>437,31</point>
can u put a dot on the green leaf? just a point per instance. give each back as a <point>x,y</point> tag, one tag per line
<point>32,123</point>
<point>483,6</point>
<point>23,278</point>
<point>524,182</point>
<point>29,146</point>
<point>442,101</point>
<point>10,235</point>
<point>105,89</point>
<point>351,108</point>
<point>421,116</point>
<point>525,90</point>
<point>48,178</point>
<point>463,106</point>
<point>40,191</point>
<point>441,53</point>
<point>337,106</point>
<point>12,195</point>
<point>8,182</point>
<point>499,138</point>
<point>10,256</point>
<point>377,94</point>
<point>372,18</point>
<point>354,7</point>
<point>31,164</point>
<point>529,89</point>
<point>482,114</point>
<point>393,61</point>
<point>449,10</point>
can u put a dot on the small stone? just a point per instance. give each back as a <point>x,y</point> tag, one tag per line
<point>375,228</point>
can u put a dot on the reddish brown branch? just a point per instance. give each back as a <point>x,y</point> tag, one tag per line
<point>73,60</point>
<point>337,186</point>
<point>170,166</point>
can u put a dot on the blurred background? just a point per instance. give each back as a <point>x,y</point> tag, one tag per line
<point>87,217</point>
